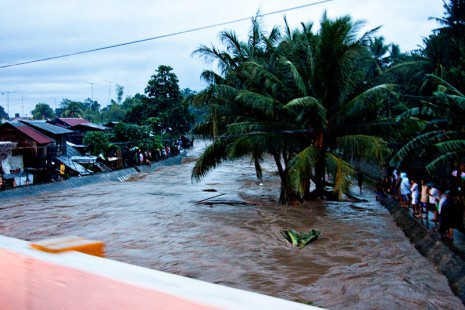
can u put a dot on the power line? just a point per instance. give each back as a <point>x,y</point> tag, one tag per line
<point>162,36</point>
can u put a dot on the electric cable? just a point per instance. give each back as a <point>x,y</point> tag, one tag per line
<point>161,36</point>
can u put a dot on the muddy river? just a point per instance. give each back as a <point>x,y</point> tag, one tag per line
<point>226,230</point>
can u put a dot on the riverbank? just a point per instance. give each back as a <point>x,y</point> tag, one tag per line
<point>447,257</point>
<point>99,177</point>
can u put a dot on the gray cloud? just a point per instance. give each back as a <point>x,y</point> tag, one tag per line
<point>38,29</point>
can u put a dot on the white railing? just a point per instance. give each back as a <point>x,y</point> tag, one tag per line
<point>31,279</point>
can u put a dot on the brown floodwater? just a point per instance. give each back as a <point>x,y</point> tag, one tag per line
<point>226,230</point>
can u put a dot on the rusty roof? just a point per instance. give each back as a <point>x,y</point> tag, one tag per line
<point>49,128</point>
<point>73,121</point>
<point>30,132</point>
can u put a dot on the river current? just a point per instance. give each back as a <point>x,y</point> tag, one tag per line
<point>226,230</point>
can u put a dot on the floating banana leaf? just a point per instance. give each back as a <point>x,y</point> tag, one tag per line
<point>300,240</point>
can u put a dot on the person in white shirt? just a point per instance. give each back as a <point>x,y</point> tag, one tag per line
<point>405,190</point>
<point>415,198</point>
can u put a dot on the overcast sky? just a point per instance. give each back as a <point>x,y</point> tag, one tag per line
<point>38,29</point>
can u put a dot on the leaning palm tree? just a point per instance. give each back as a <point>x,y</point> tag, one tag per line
<point>304,99</point>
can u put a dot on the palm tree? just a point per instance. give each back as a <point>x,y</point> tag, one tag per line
<point>304,99</point>
<point>72,109</point>
<point>42,111</point>
<point>443,139</point>
<point>379,50</point>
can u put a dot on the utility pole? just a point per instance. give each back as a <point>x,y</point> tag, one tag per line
<point>8,101</point>
<point>109,88</point>
<point>92,87</point>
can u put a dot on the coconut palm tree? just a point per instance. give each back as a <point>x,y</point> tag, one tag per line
<point>42,111</point>
<point>302,98</point>
<point>73,109</point>
<point>443,139</point>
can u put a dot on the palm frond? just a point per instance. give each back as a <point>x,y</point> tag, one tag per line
<point>415,111</point>
<point>459,101</point>
<point>257,143</point>
<point>212,77</point>
<point>212,156</point>
<point>370,148</point>
<point>401,73</point>
<point>341,172</point>
<point>451,145</point>
<point>231,41</point>
<point>298,80</point>
<point>368,99</point>
<point>257,102</point>
<point>420,142</point>
<point>300,168</point>
<point>442,159</point>
<point>441,81</point>
<point>308,110</point>
<point>261,76</point>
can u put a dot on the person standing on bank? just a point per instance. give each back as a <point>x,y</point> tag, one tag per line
<point>424,199</point>
<point>360,180</point>
<point>447,221</point>
<point>415,198</point>
<point>405,191</point>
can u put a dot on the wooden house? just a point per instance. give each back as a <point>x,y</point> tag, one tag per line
<point>31,144</point>
<point>74,137</point>
<point>57,133</point>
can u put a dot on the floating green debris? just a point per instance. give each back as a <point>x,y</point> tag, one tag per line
<point>300,240</point>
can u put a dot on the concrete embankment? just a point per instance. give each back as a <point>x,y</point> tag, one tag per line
<point>113,176</point>
<point>451,264</point>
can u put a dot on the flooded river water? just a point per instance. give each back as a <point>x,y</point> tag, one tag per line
<point>226,230</point>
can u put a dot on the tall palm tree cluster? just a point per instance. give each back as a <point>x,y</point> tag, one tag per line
<point>438,101</point>
<point>313,100</point>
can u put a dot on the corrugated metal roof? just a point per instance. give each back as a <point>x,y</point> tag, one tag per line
<point>91,126</point>
<point>74,121</point>
<point>31,132</point>
<point>53,129</point>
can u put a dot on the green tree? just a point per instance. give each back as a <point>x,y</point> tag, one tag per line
<point>3,114</point>
<point>119,92</point>
<point>42,111</point>
<point>113,112</point>
<point>446,46</point>
<point>96,141</point>
<point>164,84</point>
<point>135,134</point>
<point>379,51</point>
<point>164,102</point>
<point>91,111</point>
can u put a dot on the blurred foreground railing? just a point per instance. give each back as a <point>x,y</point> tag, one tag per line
<point>31,279</point>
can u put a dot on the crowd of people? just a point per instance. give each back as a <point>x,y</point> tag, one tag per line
<point>445,204</point>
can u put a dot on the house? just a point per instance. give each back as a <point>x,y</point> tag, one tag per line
<point>75,137</point>
<point>68,122</point>
<point>57,133</point>
<point>79,128</point>
<point>34,146</point>
<point>29,158</point>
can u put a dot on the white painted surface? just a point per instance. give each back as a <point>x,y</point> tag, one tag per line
<point>31,279</point>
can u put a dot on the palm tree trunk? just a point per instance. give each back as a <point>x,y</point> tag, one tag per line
<point>320,167</point>
<point>319,180</point>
